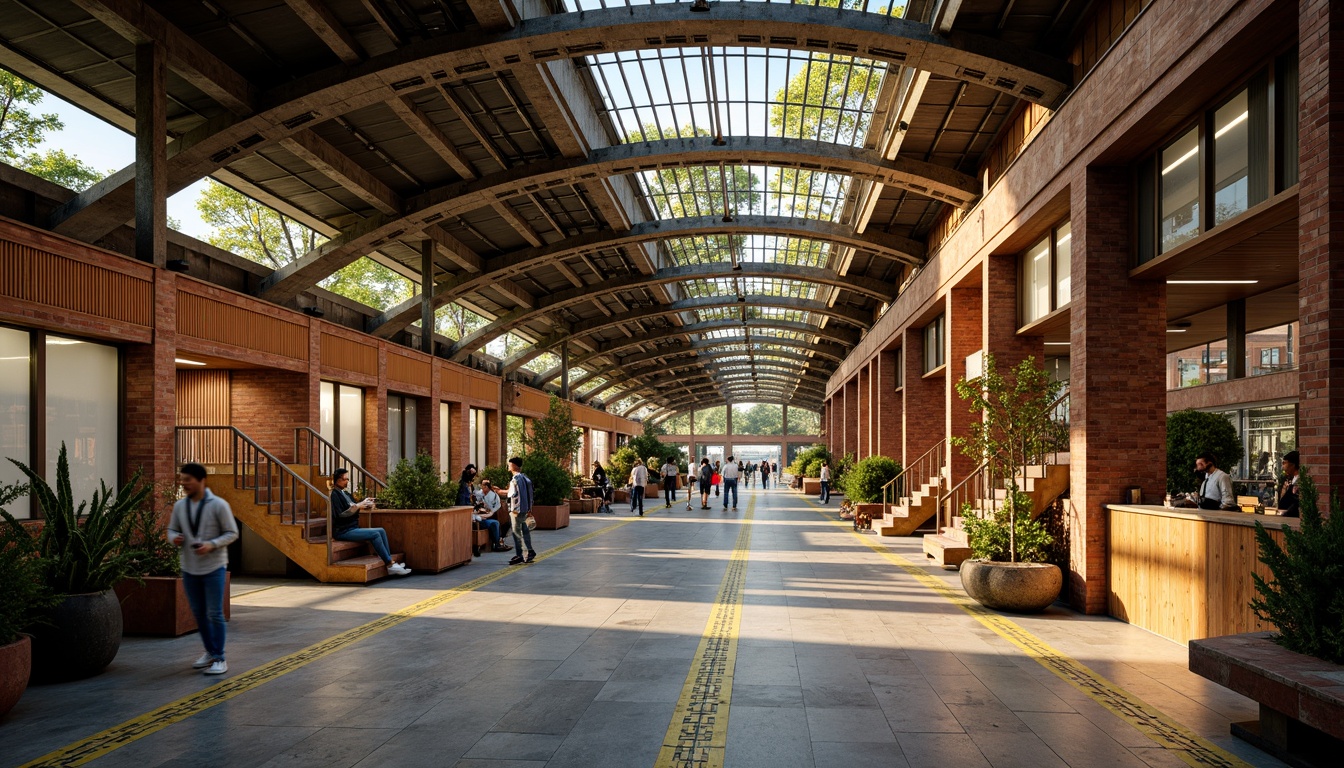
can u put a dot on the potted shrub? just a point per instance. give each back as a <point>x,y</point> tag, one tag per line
<point>550,488</point>
<point>83,556</point>
<point>23,596</point>
<point>153,601</point>
<point>418,512</point>
<point>1190,433</point>
<point>807,465</point>
<point>863,484</point>
<point>618,471</point>
<point>1008,569</point>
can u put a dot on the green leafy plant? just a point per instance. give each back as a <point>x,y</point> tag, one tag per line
<point>805,458</point>
<point>1190,433</point>
<point>554,435</point>
<point>619,465</point>
<point>415,484</point>
<point>648,445</point>
<point>81,548</point>
<point>498,475</point>
<point>995,536</point>
<point>148,534</point>
<point>813,468</point>
<point>1014,429</point>
<point>24,594</point>
<point>551,484</point>
<point>863,484</point>
<point>840,469</point>
<point>1306,598</point>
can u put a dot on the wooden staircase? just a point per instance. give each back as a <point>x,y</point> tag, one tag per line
<point>902,513</point>
<point>1044,483</point>
<point>278,502</point>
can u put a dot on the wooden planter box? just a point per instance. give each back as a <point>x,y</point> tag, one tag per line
<point>551,518</point>
<point>1301,698</point>
<point>620,496</point>
<point>812,486</point>
<point>432,540</point>
<point>159,607</point>
<point>582,507</point>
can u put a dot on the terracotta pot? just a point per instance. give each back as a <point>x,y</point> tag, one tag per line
<point>79,638</point>
<point>1016,587</point>
<point>16,662</point>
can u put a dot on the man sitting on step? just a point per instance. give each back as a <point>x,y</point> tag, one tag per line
<point>345,517</point>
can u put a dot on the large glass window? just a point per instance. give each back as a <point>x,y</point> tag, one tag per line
<point>445,440</point>
<point>83,407</point>
<point>1272,350</point>
<point>600,446</point>
<point>15,402</point>
<point>341,418</point>
<point>1063,264</point>
<point>1037,293</point>
<point>1231,152</point>
<point>476,434</point>
<point>401,429</point>
<point>934,343</point>
<point>1179,194</point>
<point>1267,432</point>
<point>804,422</point>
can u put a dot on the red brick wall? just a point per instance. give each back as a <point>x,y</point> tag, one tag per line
<point>888,406</point>
<point>267,405</point>
<point>1118,385</point>
<point>964,331</point>
<point>865,410</point>
<point>1320,426</point>
<point>852,415</point>
<point>999,310</point>
<point>150,417</point>
<point>924,401</point>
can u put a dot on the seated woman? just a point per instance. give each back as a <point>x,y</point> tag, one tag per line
<point>345,519</point>
<point>483,515</point>
<point>603,484</point>
<point>465,492</point>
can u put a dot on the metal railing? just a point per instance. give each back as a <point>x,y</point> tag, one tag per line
<point>253,468</point>
<point>926,466</point>
<point>314,450</point>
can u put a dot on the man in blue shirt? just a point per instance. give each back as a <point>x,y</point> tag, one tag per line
<point>520,504</point>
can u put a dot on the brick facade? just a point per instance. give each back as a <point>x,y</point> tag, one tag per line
<point>924,401</point>
<point>962,321</point>
<point>889,401</point>
<point>268,405</point>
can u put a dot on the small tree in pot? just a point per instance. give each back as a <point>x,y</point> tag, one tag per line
<point>550,491</point>
<point>415,484</point>
<point>555,435</point>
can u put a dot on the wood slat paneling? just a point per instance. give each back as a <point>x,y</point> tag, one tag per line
<point>42,277</point>
<point>349,355</point>
<point>409,370</point>
<point>203,401</point>
<point>205,318</point>
<point>464,382</point>
<point>528,399</point>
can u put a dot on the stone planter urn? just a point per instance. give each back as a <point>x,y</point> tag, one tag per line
<point>79,639</point>
<point>16,663</point>
<point>1015,587</point>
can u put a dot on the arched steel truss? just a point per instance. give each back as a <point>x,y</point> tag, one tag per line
<point>671,359</point>
<point>634,380</point>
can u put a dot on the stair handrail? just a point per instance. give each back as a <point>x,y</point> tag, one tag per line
<point>977,485</point>
<point>1059,413</point>
<point>918,466</point>
<point>246,454</point>
<point>360,477</point>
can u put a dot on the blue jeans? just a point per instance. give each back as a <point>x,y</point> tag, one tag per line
<point>206,596</point>
<point>375,536</point>
<point>729,486</point>
<point>637,498</point>
<point>493,527</point>
<point>825,491</point>
<point>521,534</point>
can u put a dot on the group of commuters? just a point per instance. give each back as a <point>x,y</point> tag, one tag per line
<point>763,470</point>
<point>710,476</point>
<point>485,502</point>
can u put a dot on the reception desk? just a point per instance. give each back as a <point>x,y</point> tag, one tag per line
<point>1186,573</point>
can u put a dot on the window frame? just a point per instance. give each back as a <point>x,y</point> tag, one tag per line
<point>935,327</point>
<point>1051,241</point>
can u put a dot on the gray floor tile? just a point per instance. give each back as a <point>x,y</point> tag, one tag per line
<point>848,724</point>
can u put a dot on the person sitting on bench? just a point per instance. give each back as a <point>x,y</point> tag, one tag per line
<point>483,516</point>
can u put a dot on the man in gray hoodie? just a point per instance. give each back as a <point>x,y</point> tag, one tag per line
<point>202,526</point>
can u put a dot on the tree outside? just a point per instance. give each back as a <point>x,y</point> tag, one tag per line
<point>758,419</point>
<point>22,131</point>
<point>711,421</point>
<point>804,422</point>
<point>554,435</point>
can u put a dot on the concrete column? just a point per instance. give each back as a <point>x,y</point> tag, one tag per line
<point>1320,426</point>
<point>151,392</point>
<point>151,154</point>
<point>924,401</point>
<point>963,324</point>
<point>1118,387</point>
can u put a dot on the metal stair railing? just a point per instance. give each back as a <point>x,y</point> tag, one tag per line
<point>272,482</point>
<point>976,486</point>
<point>314,450</point>
<point>930,464</point>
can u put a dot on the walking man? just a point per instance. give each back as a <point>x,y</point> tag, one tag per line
<point>202,527</point>
<point>639,478</point>
<point>520,504</point>
<point>765,475</point>
<point>670,473</point>
<point>730,473</point>
<point>825,482</point>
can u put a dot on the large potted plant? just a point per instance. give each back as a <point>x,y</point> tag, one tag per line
<point>23,595</point>
<point>153,600</point>
<point>1008,569</point>
<point>554,435</point>
<point>618,471</point>
<point>807,465</point>
<point>1191,433</point>
<point>417,510</point>
<point>83,555</point>
<point>550,491</point>
<point>862,485</point>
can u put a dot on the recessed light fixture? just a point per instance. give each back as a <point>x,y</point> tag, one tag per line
<point>185,361</point>
<point>1175,330</point>
<point>1212,282</point>
<point>1056,343</point>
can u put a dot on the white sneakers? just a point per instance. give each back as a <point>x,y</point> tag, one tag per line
<point>203,662</point>
<point>210,665</point>
<point>398,569</point>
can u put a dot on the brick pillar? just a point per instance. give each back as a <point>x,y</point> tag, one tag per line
<point>962,324</point>
<point>151,392</point>
<point>314,374</point>
<point>864,420</point>
<point>923,402</point>
<point>889,411</point>
<point>375,421</point>
<point>1320,426</point>
<point>1118,388</point>
<point>459,444</point>
<point>851,415</point>
<point>494,437</point>
<point>999,297</point>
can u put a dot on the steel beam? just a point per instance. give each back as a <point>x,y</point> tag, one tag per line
<point>664,361</point>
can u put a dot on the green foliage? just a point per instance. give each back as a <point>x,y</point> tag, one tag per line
<point>993,537</point>
<point>25,593</point>
<point>805,457</point>
<point>804,422</point>
<point>711,421</point>
<point>554,435</point>
<point>840,469</point>
<point>677,425</point>
<point>619,465</point>
<point>249,229</point>
<point>156,555</point>
<point>456,321</point>
<point>1306,598</point>
<point>498,475</point>
<point>371,284</point>
<point>81,549</point>
<point>758,419</point>
<point>863,484</point>
<point>1190,433</point>
<point>20,128</point>
<point>59,167</point>
<point>551,484</point>
<point>649,446</point>
<point>415,484</point>
<point>812,468</point>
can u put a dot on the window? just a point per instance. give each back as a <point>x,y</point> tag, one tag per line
<point>1179,195</point>
<point>401,429</point>
<point>601,440</point>
<point>1268,432</point>
<point>445,440</point>
<point>1045,274</point>
<point>899,358</point>
<point>341,418</point>
<point>934,343</point>
<point>1063,262</point>
<point>15,407</point>
<point>476,433</point>
<point>1231,152</point>
<point>1272,350</point>
<point>83,410</point>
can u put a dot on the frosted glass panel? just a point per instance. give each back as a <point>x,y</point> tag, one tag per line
<point>82,410</point>
<point>395,444</point>
<point>14,415</point>
<point>409,426</point>
<point>326,410</point>
<point>350,432</point>
<point>1038,281</point>
<point>474,434</point>
<point>1063,263</point>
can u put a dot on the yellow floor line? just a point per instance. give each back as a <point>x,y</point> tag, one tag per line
<point>698,732</point>
<point>1189,746</point>
<point>118,736</point>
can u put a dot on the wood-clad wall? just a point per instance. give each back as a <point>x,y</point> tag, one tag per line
<point>1183,578</point>
<point>350,355</point>
<point>408,370</point>
<point>222,322</point>
<point>31,271</point>
<point>203,401</point>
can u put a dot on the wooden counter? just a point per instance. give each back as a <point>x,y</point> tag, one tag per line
<point>432,540</point>
<point>1186,573</point>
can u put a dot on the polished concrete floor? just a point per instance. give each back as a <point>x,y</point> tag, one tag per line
<point>842,659</point>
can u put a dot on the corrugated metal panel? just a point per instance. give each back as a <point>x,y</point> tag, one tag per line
<point>409,370</point>
<point>42,277</point>
<point>349,355</point>
<point>202,317</point>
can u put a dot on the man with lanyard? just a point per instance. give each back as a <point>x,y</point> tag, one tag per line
<point>520,504</point>
<point>345,515</point>
<point>484,513</point>
<point>202,526</point>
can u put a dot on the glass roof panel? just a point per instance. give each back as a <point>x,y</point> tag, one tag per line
<point>750,249</point>
<point>678,193</point>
